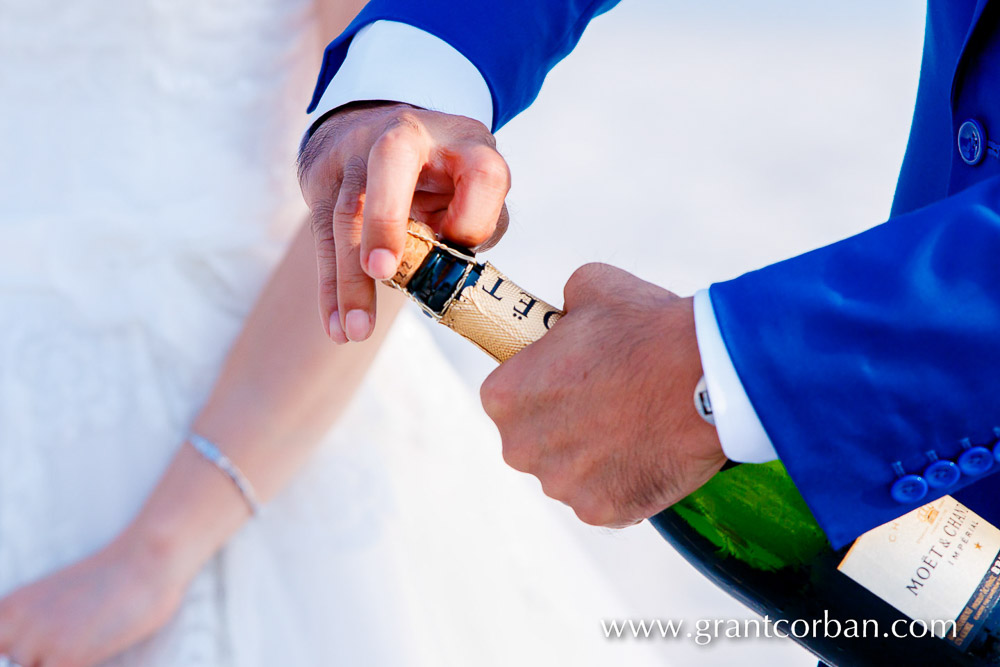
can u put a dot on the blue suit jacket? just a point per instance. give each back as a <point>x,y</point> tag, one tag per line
<point>882,348</point>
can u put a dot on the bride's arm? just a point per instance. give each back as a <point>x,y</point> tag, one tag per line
<point>281,388</point>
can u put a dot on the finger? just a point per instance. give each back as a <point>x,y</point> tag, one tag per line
<point>503,222</point>
<point>8,622</point>
<point>355,290</point>
<point>321,221</point>
<point>18,655</point>
<point>482,181</point>
<point>394,165</point>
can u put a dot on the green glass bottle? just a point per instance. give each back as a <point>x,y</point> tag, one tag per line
<point>749,530</point>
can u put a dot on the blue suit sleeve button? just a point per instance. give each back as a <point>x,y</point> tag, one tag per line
<point>942,474</point>
<point>975,461</point>
<point>909,489</point>
<point>971,142</point>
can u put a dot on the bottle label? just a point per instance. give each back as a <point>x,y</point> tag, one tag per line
<point>940,562</point>
<point>498,316</point>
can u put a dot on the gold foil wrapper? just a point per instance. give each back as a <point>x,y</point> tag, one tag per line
<point>498,316</point>
<point>494,313</point>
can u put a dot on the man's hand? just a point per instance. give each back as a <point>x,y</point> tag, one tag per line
<point>601,408</point>
<point>368,169</point>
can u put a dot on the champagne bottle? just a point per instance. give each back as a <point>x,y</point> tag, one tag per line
<point>922,589</point>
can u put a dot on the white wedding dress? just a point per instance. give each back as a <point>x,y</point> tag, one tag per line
<point>146,191</point>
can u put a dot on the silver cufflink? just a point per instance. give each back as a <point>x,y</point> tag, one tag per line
<point>702,403</point>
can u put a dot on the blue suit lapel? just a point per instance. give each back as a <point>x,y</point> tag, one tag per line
<point>976,15</point>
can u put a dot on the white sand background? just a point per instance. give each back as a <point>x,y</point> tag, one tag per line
<point>689,143</point>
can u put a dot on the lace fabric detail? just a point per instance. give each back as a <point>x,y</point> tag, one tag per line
<point>146,191</point>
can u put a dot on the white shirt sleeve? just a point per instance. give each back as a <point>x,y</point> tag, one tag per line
<point>394,61</point>
<point>742,435</point>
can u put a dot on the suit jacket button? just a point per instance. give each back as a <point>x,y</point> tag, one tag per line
<point>975,460</point>
<point>909,489</point>
<point>942,474</point>
<point>971,142</point>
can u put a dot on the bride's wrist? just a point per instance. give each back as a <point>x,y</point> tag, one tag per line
<point>189,516</point>
<point>157,556</point>
<point>175,548</point>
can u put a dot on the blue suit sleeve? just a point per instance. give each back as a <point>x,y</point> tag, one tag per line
<point>875,350</point>
<point>513,43</point>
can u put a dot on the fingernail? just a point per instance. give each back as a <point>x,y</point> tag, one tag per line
<point>357,325</point>
<point>336,331</point>
<point>381,264</point>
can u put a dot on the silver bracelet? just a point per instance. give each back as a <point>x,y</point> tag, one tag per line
<point>213,455</point>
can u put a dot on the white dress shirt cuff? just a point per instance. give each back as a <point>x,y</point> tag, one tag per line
<point>742,435</point>
<point>394,61</point>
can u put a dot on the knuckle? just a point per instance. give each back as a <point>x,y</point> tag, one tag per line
<point>589,272</point>
<point>326,260</point>
<point>516,455</point>
<point>585,280</point>
<point>388,227</point>
<point>320,217</point>
<point>557,485</point>
<point>594,512</point>
<point>401,136</point>
<point>328,293</point>
<point>487,168</point>
<point>352,281</point>
<point>472,131</point>
<point>391,146</point>
<point>494,396</point>
<point>406,120</point>
<point>326,253</point>
<point>487,137</point>
<point>350,199</point>
<point>327,278</point>
<point>322,174</point>
<point>347,214</point>
<point>355,175</point>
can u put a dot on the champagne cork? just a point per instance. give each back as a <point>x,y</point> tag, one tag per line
<point>493,312</point>
<point>420,241</point>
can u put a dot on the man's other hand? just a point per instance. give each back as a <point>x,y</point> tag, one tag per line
<point>601,408</point>
<point>369,168</point>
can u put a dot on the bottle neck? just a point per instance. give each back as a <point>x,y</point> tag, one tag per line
<point>440,278</point>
